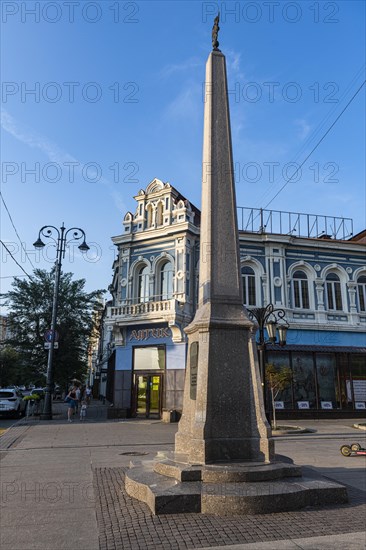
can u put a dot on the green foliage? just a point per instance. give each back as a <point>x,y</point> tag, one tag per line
<point>33,397</point>
<point>277,380</point>
<point>12,370</point>
<point>30,305</point>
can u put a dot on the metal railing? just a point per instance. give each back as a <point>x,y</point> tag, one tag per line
<point>143,308</point>
<point>299,224</point>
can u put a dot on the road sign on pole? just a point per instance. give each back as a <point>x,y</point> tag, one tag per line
<point>48,336</point>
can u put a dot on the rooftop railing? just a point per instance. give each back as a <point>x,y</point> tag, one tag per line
<point>315,226</point>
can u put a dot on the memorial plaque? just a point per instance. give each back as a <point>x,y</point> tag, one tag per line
<point>193,361</point>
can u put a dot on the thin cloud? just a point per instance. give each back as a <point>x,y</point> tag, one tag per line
<point>187,65</point>
<point>53,152</point>
<point>303,128</point>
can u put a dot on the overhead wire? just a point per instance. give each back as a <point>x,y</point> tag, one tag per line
<point>15,229</point>
<point>11,255</point>
<point>318,129</point>
<point>318,143</point>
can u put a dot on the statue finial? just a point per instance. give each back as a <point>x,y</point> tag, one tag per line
<point>215,32</point>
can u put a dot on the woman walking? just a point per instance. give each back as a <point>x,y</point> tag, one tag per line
<point>71,400</point>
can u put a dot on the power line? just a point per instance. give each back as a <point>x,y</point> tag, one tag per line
<point>13,276</point>
<point>15,229</point>
<point>318,129</point>
<point>317,145</point>
<point>11,255</point>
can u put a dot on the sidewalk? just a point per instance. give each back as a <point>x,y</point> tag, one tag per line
<point>62,487</point>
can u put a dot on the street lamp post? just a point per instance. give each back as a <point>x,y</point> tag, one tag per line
<point>59,236</point>
<point>272,319</point>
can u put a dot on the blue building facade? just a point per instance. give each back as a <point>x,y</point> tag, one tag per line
<point>318,279</point>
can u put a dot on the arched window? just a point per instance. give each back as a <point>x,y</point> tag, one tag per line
<point>248,281</point>
<point>148,216</point>
<point>159,214</point>
<point>143,280</point>
<point>361,292</point>
<point>334,293</point>
<point>300,290</point>
<point>166,281</point>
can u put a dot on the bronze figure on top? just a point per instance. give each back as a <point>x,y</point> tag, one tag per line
<point>215,32</point>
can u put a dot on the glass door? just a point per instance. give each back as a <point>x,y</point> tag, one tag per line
<point>148,395</point>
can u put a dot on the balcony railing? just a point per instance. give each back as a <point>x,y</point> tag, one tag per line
<point>143,308</point>
<point>316,226</point>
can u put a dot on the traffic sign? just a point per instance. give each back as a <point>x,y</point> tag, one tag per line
<point>48,336</point>
<point>47,345</point>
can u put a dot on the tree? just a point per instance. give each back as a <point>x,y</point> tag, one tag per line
<point>278,379</point>
<point>30,312</point>
<point>11,368</point>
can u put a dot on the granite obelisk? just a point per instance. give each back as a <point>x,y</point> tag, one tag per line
<point>223,416</point>
<point>224,460</point>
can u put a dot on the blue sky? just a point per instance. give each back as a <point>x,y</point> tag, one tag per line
<point>118,102</point>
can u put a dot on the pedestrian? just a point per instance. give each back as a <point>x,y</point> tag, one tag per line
<point>83,410</point>
<point>71,401</point>
<point>78,398</point>
<point>88,393</point>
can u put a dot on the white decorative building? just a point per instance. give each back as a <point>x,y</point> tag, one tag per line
<point>311,266</point>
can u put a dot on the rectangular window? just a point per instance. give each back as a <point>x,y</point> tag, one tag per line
<point>149,358</point>
<point>362,296</point>
<point>280,360</point>
<point>297,294</point>
<point>303,378</point>
<point>305,294</point>
<point>327,379</point>
<point>251,290</point>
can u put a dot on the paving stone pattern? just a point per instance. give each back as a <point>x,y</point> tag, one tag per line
<point>127,524</point>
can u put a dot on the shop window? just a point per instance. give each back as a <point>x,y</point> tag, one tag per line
<point>356,386</point>
<point>300,290</point>
<point>143,281</point>
<point>280,361</point>
<point>166,281</point>
<point>248,281</point>
<point>303,380</point>
<point>334,294</point>
<point>327,381</point>
<point>361,293</point>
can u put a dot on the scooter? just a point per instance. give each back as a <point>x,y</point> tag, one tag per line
<point>353,450</point>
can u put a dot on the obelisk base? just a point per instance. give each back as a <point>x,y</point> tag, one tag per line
<point>228,489</point>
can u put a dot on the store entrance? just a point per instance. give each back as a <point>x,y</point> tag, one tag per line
<point>148,392</point>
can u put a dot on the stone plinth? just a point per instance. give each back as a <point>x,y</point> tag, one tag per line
<point>229,489</point>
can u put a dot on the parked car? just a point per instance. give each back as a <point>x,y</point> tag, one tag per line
<point>11,402</point>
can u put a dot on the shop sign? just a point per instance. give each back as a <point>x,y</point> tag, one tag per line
<point>327,405</point>
<point>303,404</point>
<point>360,405</point>
<point>279,404</point>
<point>147,333</point>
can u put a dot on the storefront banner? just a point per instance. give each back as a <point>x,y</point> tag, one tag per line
<point>303,404</point>
<point>327,405</point>
<point>279,405</point>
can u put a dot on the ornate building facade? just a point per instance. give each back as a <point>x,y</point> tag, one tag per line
<point>317,275</point>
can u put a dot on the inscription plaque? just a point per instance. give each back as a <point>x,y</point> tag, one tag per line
<point>193,361</point>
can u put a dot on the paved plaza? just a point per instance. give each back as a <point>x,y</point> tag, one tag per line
<point>62,487</point>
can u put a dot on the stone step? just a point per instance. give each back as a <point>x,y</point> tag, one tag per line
<point>166,495</point>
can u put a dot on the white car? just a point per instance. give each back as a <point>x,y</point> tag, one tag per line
<point>11,402</point>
